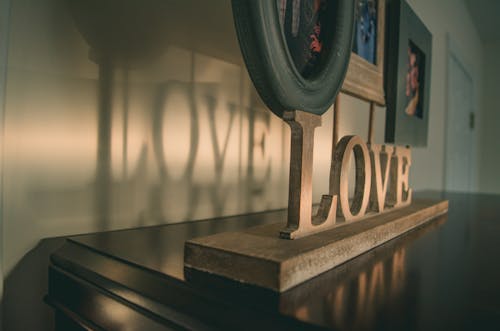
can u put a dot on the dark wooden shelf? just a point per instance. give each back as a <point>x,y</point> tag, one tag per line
<point>443,275</point>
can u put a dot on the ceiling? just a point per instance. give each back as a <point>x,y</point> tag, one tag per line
<point>486,16</point>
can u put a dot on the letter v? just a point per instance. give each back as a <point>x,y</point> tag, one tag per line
<point>380,159</point>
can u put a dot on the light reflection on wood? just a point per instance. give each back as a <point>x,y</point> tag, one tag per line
<point>372,292</point>
<point>398,272</point>
<point>338,305</point>
<point>302,313</point>
<point>351,296</point>
<point>362,281</point>
<point>377,287</point>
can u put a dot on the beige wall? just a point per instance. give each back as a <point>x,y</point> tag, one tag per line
<point>4,27</point>
<point>489,180</point>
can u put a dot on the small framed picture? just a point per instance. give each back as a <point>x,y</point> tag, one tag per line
<point>409,50</point>
<point>365,75</point>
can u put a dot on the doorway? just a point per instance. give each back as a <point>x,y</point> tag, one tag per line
<point>460,155</point>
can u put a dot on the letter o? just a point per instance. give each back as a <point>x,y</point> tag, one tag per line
<point>343,151</point>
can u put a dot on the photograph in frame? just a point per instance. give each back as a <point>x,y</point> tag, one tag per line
<point>365,35</point>
<point>365,74</point>
<point>409,56</point>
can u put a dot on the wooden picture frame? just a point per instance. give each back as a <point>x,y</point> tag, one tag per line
<point>365,80</point>
<point>409,58</point>
<point>269,56</point>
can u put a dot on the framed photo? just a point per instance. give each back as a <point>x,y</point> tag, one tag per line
<point>409,51</point>
<point>296,51</point>
<point>365,75</point>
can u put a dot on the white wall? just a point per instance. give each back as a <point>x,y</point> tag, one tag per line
<point>489,180</point>
<point>442,18</point>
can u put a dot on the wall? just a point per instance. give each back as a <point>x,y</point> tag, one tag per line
<point>444,18</point>
<point>4,33</point>
<point>173,137</point>
<point>489,181</point>
<point>115,123</point>
<point>114,130</point>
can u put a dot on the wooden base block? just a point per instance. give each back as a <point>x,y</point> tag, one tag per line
<point>259,257</point>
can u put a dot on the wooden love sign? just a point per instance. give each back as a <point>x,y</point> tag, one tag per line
<point>288,78</point>
<point>381,180</point>
<point>381,209</point>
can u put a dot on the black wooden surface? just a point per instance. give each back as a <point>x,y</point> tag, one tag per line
<point>443,276</point>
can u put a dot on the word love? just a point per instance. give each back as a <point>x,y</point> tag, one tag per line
<point>381,179</point>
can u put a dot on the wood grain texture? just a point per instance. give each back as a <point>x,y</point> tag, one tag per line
<point>370,123</point>
<point>259,257</point>
<point>301,222</point>
<point>381,157</point>
<point>400,193</point>
<point>347,147</point>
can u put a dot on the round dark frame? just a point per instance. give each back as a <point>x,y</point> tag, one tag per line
<point>270,65</point>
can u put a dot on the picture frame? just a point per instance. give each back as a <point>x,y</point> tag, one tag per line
<point>271,59</point>
<point>365,78</point>
<point>409,58</point>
